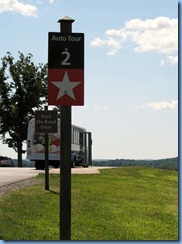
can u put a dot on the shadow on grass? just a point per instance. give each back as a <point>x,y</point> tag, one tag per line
<point>54,192</point>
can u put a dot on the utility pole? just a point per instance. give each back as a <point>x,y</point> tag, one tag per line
<point>65,155</point>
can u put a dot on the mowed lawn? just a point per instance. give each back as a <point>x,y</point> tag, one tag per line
<point>127,203</point>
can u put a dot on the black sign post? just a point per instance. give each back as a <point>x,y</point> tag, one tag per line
<point>65,88</point>
<point>65,181</point>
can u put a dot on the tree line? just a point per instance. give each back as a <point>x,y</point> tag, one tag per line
<point>169,163</point>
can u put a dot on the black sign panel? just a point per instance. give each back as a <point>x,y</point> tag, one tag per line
<point>66,50</point>
<point>46,121</point>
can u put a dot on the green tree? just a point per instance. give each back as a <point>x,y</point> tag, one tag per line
<point>23,87</point>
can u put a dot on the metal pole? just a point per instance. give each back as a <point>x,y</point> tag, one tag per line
<point>46,158</point>
<point>65,156</point>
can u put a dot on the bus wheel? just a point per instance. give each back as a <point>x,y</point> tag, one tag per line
<point>85,166</point>
<point>39,165</point>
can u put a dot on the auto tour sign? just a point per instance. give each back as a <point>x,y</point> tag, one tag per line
<point>66,69</point>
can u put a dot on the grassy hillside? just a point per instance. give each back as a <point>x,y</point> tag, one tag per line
<point>128,203</point>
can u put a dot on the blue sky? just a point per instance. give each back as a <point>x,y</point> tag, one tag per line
<point>131,68</point>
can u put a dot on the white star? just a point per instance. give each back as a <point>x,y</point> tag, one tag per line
<point>66,86</point>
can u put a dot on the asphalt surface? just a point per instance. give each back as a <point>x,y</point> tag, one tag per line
<point>13,175</point>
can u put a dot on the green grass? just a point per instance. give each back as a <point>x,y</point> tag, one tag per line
<point>128,203</point>
<point>31,213</point>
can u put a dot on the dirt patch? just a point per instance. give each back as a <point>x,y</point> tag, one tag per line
<point>15,186</point>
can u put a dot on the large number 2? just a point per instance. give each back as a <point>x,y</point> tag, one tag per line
<point>65,61</point>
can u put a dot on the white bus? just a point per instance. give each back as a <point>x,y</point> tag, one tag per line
<point>81,147</point>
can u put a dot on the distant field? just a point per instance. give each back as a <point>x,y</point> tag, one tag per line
<point>127,203</point>
<point>167,163</point>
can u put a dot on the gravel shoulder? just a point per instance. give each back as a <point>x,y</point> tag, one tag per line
<point>17,185</point>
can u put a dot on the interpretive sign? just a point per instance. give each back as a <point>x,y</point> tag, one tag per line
<point>66,69</point>
<point>46,121</point>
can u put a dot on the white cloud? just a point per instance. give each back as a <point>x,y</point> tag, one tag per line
<point>112,52</point>
<point>140,106</point>
<point>101,107</point>
<point>17,6</point>
<point>159,35</point>
<point>98,42</point>
<point>160,105</point>
<point>172,59</point>
<point>163,105</point>
<point>162,62</point>
<point>110,42</point>
<point>113,43</point>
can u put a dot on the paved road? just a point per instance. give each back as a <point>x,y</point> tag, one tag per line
<point>12,175</point>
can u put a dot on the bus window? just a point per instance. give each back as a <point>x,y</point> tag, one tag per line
<point>72,134</point>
